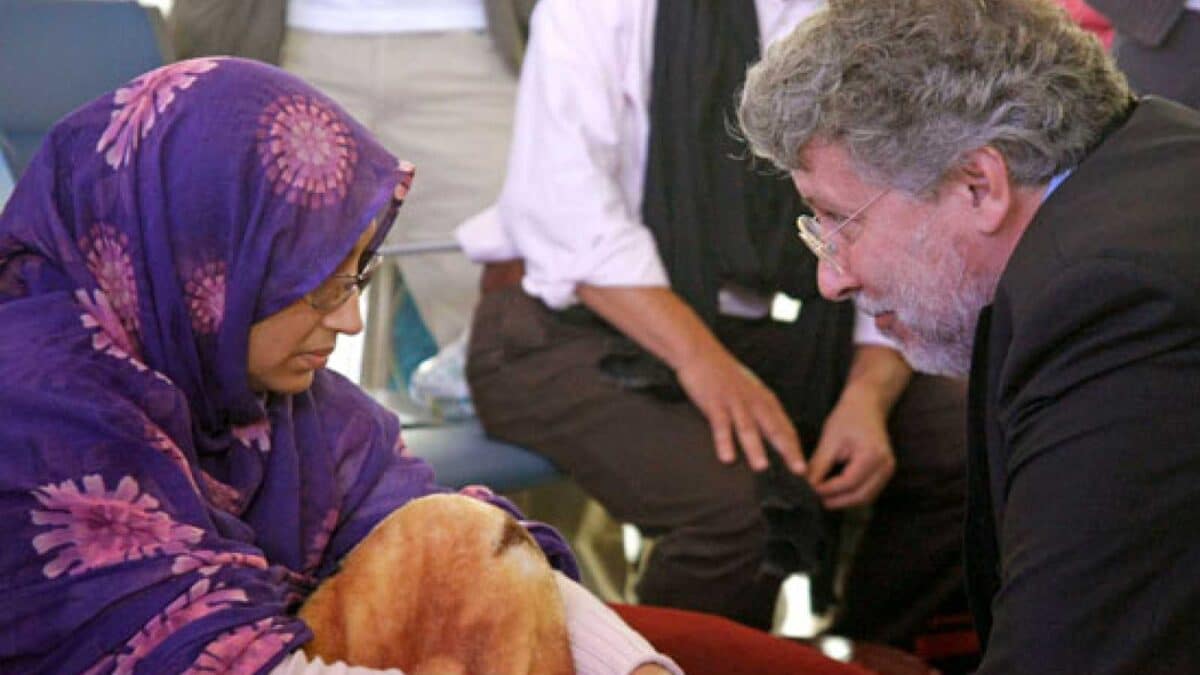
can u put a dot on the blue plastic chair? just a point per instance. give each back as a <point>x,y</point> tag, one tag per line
<point>56,55</point>
<point>461,455</point>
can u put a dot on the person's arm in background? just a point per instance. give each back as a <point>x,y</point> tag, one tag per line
<point>564,208</point>
<point>737,405</point>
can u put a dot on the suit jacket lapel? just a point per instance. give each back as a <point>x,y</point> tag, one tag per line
<point>981,549</point>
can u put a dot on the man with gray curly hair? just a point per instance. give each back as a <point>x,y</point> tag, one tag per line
<point>984,184</point>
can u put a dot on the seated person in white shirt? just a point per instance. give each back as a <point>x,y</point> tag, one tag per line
<point>625,332</point>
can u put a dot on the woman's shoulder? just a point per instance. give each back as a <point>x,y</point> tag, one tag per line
<point>340,404</point>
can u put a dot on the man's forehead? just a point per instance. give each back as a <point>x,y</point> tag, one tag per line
<point>826,174</point>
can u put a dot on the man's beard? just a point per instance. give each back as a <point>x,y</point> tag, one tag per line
<point>936,310</point>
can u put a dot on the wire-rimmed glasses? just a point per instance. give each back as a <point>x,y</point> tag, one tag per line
<point>822,243</point>
<point>338,288</point>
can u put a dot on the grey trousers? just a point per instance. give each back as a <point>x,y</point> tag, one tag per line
<point>535,383</point>
<point>444,101</point>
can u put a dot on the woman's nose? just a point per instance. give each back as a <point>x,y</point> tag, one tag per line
<point>347,317</point>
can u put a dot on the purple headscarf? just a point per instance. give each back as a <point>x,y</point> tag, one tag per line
<point>158,515</point>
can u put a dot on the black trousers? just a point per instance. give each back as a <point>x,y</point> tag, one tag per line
<point>535,383</point>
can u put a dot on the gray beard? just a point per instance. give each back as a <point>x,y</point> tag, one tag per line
<point>939,313</point>
<point>950,360</point>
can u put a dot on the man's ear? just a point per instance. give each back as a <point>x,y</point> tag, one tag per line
<point>984,178</point>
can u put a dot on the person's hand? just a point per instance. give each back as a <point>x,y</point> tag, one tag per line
<point>855,438</point>
<point>737,404</point>
<point>732,399</point>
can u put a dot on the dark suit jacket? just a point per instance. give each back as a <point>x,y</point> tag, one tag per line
<point>1083,530</point>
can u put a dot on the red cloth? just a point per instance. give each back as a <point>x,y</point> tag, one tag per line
<point>704,644</point>
<point>1090,19</point>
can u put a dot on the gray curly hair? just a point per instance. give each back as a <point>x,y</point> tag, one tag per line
<point>910,86</point>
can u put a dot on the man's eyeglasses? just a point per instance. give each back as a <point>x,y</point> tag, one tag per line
<point>338,288</point>
<point>820,241</point>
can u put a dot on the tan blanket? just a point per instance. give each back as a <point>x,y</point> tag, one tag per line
<point>445,585</point>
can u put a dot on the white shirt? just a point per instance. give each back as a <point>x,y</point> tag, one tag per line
<point>571,202</point>
<point>386,16</point>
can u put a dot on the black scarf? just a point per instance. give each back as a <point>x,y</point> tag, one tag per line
<point>716,216</point>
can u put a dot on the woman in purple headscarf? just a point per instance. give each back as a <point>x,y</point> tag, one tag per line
<point>177,469</point>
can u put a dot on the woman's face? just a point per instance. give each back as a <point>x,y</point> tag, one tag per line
<point>288,347</point>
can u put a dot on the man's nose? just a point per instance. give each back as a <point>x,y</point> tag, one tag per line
<point>834,281</point>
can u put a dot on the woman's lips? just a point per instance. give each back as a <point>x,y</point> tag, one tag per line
<point>315,359</point>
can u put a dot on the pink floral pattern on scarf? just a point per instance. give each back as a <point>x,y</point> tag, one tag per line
<point>107,252</point>
<point>408,169</point>
<point>307,150</point>
<point>110,336</point>
<point>139,104</point>
<point>255,435</point>
<point>320,540</point>
<point>97,527</point>
<point>243,650</point>
<point>206,297</point>
<point>208,563</point>
<point>201,599</point>
<point>221,495</point>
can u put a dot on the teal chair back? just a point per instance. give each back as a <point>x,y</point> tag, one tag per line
<point>56,55</point>
<point>8,178</point>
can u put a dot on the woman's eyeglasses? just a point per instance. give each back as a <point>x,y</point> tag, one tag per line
<point>338,288</point>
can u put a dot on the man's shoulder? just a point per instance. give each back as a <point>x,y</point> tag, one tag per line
<point>1133,199</point>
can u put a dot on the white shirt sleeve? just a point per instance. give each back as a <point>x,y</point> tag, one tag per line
<point>601,643</point>
<point>563,206</point>
<point>483,239</point>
